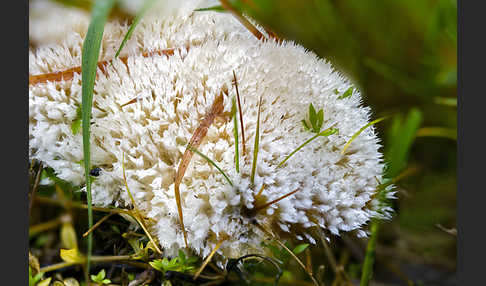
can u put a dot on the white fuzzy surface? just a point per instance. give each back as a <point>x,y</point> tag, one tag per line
<point>175,92</point>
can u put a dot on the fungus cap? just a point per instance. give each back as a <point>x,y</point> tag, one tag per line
<point>173,94</point>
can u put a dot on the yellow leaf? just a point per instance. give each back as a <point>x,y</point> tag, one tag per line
<point>71,255</point>
<point>44,282</point>
<point>68,236</point>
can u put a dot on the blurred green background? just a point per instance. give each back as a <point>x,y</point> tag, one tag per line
<point>403,55</point>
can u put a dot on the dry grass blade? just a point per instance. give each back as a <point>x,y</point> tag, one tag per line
<point>259,208</point>
<point>136,213</point>
<point>206,261</point>
<point>260,192</point>
<point>274,237</point>
<point>241,114</point>
<point>201,131</point>
<point>98,223</point>
<point>242,20</point>
<point>69,73</point>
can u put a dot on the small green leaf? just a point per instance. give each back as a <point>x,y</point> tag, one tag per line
<point>192,259</point>
<point>306,127</point>
<point>312,115</point>
<point>182,256</point>
<point>320,120</point>
<point>347,93</point>
<point>165,263</point>
<point>76,125</point>
<point>300,248</point>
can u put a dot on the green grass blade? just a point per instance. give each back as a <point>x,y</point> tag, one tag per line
<point>437,132</point>
<point>212,163</point>
<point>235,132</point>
<point>90,54</point>
<point>360,131</point>
<point>327,132</point>
<point>217,8</point>
<point>400,141</point>
<point>367,271</point>
<point>143,10</point>
<point>448,101</point>
<point>256,145</point>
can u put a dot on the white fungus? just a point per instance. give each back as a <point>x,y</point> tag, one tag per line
<point>336,192</point>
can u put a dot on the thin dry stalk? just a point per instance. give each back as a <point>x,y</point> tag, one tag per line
<point>259,208</point>
<point>136,214</point>
<point>242,20</point>
<point>274,237</point>
<point>259,192</point>
<point>206,261</point>
<point>201,131</point>
<point>98,223</point>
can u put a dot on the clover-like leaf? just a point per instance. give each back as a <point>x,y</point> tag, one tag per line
<point>347,93</point>
<point>300,248</point>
